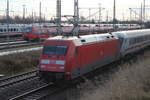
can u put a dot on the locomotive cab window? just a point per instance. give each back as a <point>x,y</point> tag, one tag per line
<point>55,50</point>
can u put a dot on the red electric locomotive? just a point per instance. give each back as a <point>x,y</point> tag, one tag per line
<point>70,57</point>
<point>37,33</point>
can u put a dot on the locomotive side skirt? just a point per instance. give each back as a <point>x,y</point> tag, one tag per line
<point>92,66</point>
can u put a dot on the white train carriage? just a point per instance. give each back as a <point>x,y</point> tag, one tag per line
<point>132,41</point>
<point>13,28</point>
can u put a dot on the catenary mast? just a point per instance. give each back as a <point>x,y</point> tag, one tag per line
<point>59,32</point>
<point>76,17</point>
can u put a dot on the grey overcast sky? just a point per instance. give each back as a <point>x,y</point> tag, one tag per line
<point>49,7</point>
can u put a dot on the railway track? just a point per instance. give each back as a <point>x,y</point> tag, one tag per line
<point>12,42</point>
<point>2,40</point>
<point>19,84</point>
<point>8,35</point>
<point>35,94</point>
<point>26,86</point>
<point>41,93</point>
<point>28,89</point>
<point>44,90</point>
<point>8,45</point>
<point>4,83</point>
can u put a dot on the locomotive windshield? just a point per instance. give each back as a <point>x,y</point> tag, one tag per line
<point>55,50</point>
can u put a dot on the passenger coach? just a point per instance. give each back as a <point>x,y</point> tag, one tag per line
<point>133,41</point>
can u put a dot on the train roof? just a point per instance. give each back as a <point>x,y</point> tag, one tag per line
<point>86,39</point>
<point>132,33</point>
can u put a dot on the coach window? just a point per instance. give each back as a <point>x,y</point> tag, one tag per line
<point>132,41</point>
<point>4,30</point>
<point>140,39</point>
<point>11,30</point>
<point>15,29</point>
<point>136,40</point>
<point>120,41</point>
<point>146,37</point>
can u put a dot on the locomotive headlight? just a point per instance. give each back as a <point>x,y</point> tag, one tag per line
<point>45,61</point>
<point>60,62</point>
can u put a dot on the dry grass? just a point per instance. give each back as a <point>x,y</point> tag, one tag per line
<point>18,63</point>
<point>131,82</point>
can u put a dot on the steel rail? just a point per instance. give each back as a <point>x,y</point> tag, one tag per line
<point>19,97</point>
<point>17,78</point>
